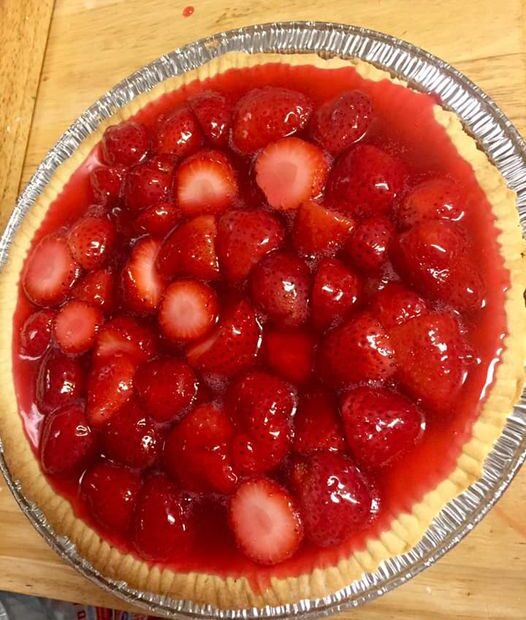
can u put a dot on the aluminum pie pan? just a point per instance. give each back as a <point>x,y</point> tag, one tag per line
<point>499,139</point>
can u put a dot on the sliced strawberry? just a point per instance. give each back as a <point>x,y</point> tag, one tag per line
<point>190,250</point>
<point>342,121</point>
<point>188,310</point>
<point>291,171</point>
<point>96,288</point>
<point>280,285</point>
<point>197,451</point>
<point>91,240</point>
<point>149,183</point>
<point>368,245</point>
<point>358,350</point>
<point>142,285</point>
<point>320,231</point>
<point>160,526</point>
<point>205,183</point>
<point>76,326</point>
<point>50,272</point>
<point>60,381</point>
<point>380,425</point>
<point>430,350</point>
<point>334,498</point>
<point>395,304</point>
<point>214,115</point>
<point>35,336</point>
<point>110,386</point>
<point>336,292</point>
<point>265,521</point>
<point>67,443</point>
<point>317,423</point>
<point>244,237</point>
<point>233,344</point>
<point>110,492</point>
<point>126,143</point>
<point>158,220</point>
<point>107,183</point>
<point>179,133</point>
<point>126,336</point>
<point>267,114</point>
<point>289,353</point>
<point>366,181</point>
<point>435,199</point>
<point>166,387</point>
<point>130,437</point>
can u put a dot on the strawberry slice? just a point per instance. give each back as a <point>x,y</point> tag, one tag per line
<point>265,521</point>
<point>188,310</point>
<point>435,199</point>
<point>320,231</point>
<point>76,326</point>
<point>358,350</point>
<point>267,114</point>
<point>110,386</point>
<point>336,291</point>
<point>149,183</point>
<point>289,353</point>
<point>214,115</point>
<point>179,133</point>
<point>280,285</point>
<point>190,250</point>
<point>369,243</point>
<point>244,237</point>
<point>291,171</point>
<point>126,143</point>
<point>342,121</point>
<point>35,336</point>
<point>60,381</point>
<point>317,423</point>
<point>205,183</point>
<point>96,288</point>
<point>395,304</point>
<point>233,344</point>
<point>157,220</point>
<point>366,181</point>
<point>380,425</point>
<point>125,336</point>
<point>142,285</point>
<point>107,183</point>
<point>50,272</point>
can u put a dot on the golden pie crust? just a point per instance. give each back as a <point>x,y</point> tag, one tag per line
<point>404,530</point>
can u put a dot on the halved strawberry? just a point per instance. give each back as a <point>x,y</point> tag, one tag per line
<point>126,143</point>
<point>190,250</point>
<point>110,386</point>
<point>158,220</point>
<point>358,350</point>
<point>291,171</point>
<point>91,240</point>
<point>205,183</point>
<point>342,121</point>
<point>188,310</point>
<point>142,284</point>
<point>179,133</point>
<point>244,236</point>
<point>435,199</point>
<point>366,181</point>
<point>289,353</point>
<point>76,326</point>
<point>395,304</point>
<point>320,231</point>
<point>50,271</point>
<point>149,183</point>
<point>368,245</point>
<point>336,291</point>
<point>280,286</point>
<point>214,115</point>
<point>267,114</point>
<point>125,336</point>
<point>35,336</point>
<point>107,183</point>
<point>96,288</point>
<point>265,521</point>
<point>317,423</point>
<point>233,344</point>
<point>60,381</point>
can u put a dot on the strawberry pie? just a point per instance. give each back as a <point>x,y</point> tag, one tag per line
<point>259,329</point>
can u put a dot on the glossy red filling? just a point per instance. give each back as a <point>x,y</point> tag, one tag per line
<point>403,123</point>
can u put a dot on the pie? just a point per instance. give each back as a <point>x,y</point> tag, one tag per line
<point>260,328</point>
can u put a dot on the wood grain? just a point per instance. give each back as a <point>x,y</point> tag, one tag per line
<point>93,44</point>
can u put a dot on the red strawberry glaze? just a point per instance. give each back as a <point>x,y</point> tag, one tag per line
<point>404,482</point>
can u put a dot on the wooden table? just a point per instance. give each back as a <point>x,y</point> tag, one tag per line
<point>58,57</point>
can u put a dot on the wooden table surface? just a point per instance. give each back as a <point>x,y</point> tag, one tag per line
<point>58,57</point>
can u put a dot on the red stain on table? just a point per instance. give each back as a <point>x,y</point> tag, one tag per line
<point>188,11</point>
